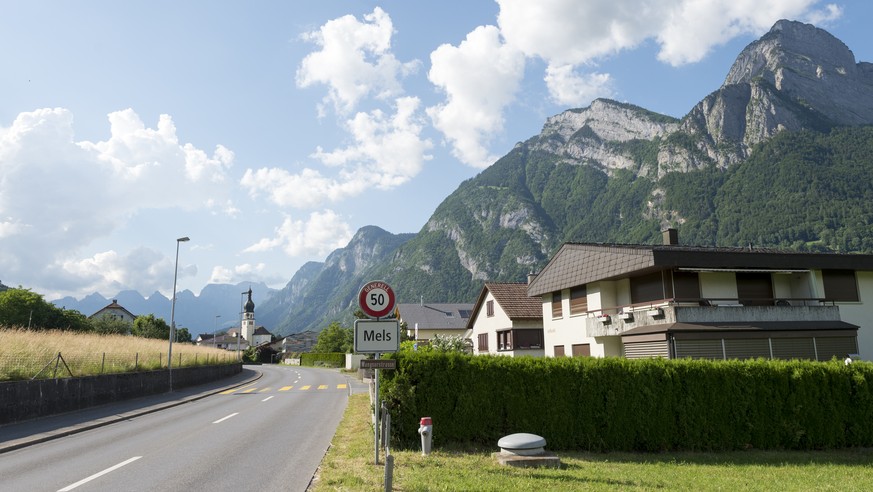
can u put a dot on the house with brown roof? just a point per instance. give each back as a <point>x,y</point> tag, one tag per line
<point>705,302</point>
<point>506,321</point>
<point>424,320</point>
<point>114,311</point>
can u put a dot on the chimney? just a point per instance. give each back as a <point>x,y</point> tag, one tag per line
<point>670,237</point>
<point>530,277</point>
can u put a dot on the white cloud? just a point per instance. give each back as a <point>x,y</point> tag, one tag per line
<point>692,29</point>
<point>257,272</point>
<point>480,78</point>
<point>322,233</point>
<point>570,88</point>
<point>57,195</point>
<point>388,151</point>
<point>355,60</point>
<point>142,269</point>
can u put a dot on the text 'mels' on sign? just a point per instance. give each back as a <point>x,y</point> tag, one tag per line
<point>372,336</point>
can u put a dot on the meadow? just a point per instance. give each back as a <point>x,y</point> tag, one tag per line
<point>28,354</point>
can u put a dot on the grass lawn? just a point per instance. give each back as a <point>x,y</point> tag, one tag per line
<point>349,465</point>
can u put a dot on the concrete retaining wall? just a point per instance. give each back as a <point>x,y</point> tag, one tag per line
<point>23,400</point>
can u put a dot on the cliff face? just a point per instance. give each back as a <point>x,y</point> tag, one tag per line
<point>615,172</point>
<point>794,77</point>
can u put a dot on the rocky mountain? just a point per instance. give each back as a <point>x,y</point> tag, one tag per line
<point>320,291</point>
<point>779,155</point>
<point>217,307</point>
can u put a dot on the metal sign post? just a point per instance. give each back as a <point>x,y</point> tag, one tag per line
<point>375,336</point>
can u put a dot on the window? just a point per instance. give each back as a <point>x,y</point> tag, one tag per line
<point>556,305</point>
<point>483,342</point>
<point>755,289</point>
<point>840,285</point>
<point>526,339</point>
<point>504,340</point>
<point>489,308</point>
<point>578,300</point>
<point>686,286</point>
<point>647,288</point>
<point>464,313</point>
<point>582,350</point>
<point>559,350</point>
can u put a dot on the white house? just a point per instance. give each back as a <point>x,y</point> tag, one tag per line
<point>506,321</point>
<point>114,311</point>
<point>705,302</point>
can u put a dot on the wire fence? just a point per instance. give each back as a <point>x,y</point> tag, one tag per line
<point>71,364</point>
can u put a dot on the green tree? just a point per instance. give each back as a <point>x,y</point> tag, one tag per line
<point>25,309</point>
<point>147,326</point>
<point>335,338</point>
<point>109,325</point>
<point>183,335</point>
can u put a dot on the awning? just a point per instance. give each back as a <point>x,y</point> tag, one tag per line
<point>740,329</point>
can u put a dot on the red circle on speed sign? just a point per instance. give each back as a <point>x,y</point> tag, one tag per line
<point>376,299</point>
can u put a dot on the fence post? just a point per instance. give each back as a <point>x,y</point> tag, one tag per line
<point>136,362</point>
<point>103,363</point>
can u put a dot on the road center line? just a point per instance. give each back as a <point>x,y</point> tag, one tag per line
<point>267,398</point>
<point>99,474</point>
<point>222,419</point>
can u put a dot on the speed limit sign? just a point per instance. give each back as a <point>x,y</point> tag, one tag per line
<point>376,299</point>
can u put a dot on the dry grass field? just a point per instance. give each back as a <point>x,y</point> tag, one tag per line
<point>25,354</point>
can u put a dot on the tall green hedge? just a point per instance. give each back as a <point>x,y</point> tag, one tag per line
<point>632,405</point>
<point>332,359</point>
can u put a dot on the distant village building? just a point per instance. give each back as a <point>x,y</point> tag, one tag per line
<point>261,336</point>
<point>114,311</point>
<point>424,320</point>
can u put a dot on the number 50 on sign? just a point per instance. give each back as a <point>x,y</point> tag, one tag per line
<point>376,299</point>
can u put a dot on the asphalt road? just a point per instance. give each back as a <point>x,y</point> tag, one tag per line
<point>269,434</point>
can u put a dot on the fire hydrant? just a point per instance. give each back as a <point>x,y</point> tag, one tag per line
<point>426,431</point>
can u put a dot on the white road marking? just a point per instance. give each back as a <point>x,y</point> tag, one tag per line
<point>222,419</point>
<point>267,398</point>
<point>99,474</point>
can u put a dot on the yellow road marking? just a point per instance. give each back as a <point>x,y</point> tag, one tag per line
<point>285,388</point>
<point>265,389</point>
<point>305,387</point>
<point>341,386</point>
<point>227,392</point>
<point>248,390</point>
<point>322,386</point>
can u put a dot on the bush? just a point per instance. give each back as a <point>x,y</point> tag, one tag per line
<point>616,404</point>
<point>333,359</point>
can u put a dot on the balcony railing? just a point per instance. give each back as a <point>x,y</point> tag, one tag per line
<point>616,320</point>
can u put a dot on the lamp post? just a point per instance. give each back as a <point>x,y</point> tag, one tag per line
<point>215,329</point>
<point>239,335</point>
<point>173,313</point>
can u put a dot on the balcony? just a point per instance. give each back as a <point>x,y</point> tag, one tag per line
<point>619,319</point>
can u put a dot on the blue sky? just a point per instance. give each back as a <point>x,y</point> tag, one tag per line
<point>270,131</point>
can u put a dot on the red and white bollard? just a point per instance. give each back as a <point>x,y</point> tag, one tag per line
<point>426,431</point>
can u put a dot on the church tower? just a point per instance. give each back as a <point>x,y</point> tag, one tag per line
<point>248,323</point>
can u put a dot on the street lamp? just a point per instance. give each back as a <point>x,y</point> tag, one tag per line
<point>173,313</point>
<point>239,335</point>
